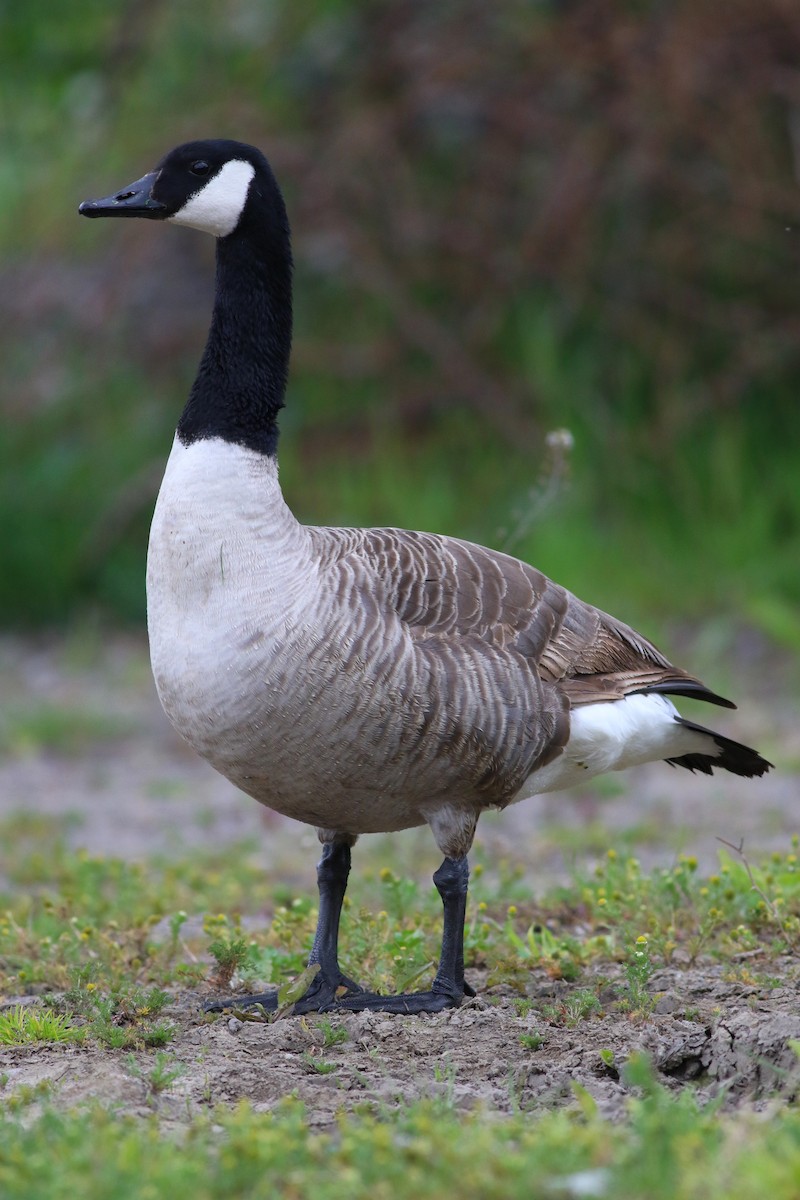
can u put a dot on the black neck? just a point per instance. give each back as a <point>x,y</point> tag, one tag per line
<point>241,379</point>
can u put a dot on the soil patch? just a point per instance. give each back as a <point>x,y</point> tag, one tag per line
<point>707,1033</point>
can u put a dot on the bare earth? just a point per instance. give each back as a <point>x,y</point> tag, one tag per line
<point>135,790</point>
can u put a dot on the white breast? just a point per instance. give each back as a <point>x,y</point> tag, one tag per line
<point>250,648</point>
<point>227,568</point>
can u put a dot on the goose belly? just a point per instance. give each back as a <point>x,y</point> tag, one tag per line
<point>271,707</point>
<point>297,738</point>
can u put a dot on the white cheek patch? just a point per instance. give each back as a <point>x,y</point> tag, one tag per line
<point>218,204</point>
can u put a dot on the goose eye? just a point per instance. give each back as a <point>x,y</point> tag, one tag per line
<point>200,167</point>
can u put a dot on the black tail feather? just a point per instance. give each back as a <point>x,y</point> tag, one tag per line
<point>733,756</point>
<point>691,688</point>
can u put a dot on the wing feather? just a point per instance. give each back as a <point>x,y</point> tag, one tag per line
<point>444,587</point>
<point>506,652</point>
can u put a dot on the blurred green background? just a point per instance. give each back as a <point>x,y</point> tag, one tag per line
<point>509,219</point>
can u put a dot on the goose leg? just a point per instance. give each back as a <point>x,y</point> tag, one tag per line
<point>332,872</point>
<point>452,881</point>
<point>331,991</point>
<point>448,988</point>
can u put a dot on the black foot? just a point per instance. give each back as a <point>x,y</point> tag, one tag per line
<point>327,999</point>
<point>267,1000</point>
<point>407,1003</point>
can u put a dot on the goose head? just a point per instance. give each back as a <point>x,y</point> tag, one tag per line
<point>208,185</point>
<point>227,189</point>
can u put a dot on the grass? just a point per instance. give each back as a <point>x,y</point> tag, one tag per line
<point>91,927</point>
<point>107,945</point>
<point>82,497</point>
<point>58,728</point>
<point>667,1150</point>
<point>160,1077</point>
<point>21,1026</point>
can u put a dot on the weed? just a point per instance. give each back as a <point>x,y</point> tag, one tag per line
<point>578,1006</point>
<point>28,1094</point>
<point>161,1075</point>
<point>176,924</point>
<point>293,989</point>
<point>607,1058</point>
<point>155,1035</point>
<point>668,1150</point>
<point>512,954</point>
<point>444,1073</point>
<point>231,955</point>
<point>734,910</point>
<point>318,1065</point>
<point>332,1035</point>
<point>122,1018</point>
<point>401,895</point>
<point>25,1024</point>
<point>638,970</point>
<point>532,1041</point>
<point>773,905</point>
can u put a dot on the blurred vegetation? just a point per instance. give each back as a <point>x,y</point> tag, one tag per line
<point>509,219</point>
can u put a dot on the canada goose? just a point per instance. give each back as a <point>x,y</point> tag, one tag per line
<point>363,680</point>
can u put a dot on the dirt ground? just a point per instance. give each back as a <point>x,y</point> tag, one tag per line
<point>135,790</point>
<point>706,1033</point>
